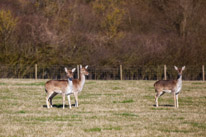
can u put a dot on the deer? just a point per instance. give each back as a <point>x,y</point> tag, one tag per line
<point>169,86</point>
<point>64,87</point>
<point>78,84</point>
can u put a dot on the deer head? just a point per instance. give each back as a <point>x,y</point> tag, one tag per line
<point>179,70</point>
<point>69,73</point>
<point>83,70</point>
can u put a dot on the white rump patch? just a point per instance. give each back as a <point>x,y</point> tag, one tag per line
<point>167,91</point>
<point>58,91</point>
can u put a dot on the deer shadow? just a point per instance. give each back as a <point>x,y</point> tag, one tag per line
<point>166,105</point>
<point>58,106</point>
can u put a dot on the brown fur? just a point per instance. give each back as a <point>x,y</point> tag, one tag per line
<point>163,86</point>
<point>61,85</point>
<point>54,87</point>
<point>78,83</point>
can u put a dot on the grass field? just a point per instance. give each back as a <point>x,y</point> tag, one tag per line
<point>106,108</point>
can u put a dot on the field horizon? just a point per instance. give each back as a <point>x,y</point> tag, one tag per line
<point>106,108</point>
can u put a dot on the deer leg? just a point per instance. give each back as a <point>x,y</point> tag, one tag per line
<point>162,93</point>
<point>76,99</point>
<point>69,100</point>
<point>156,99</point>
<point>51,97</point>
<point>50,101</point>
<point>47,100</point>
<point>63,98</point>
<point>177,101</point>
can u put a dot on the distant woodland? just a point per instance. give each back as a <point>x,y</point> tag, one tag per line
<point>102,32</point>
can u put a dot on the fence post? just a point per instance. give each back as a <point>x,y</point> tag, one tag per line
<point>165,72</point>
<point>43,73</point>
<point>95,74</point>
<point>203,72</point>
<point>120,72</point>
<point>35,71</point>
<point>78,71</point>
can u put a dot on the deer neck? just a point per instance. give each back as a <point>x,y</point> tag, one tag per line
<point>179,84</point>
<point>179,79</point>
<point>69,86</point>
<point>82,80</point>
<point>70,83</point>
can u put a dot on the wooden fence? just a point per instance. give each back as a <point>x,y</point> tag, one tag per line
<point>104,73</point>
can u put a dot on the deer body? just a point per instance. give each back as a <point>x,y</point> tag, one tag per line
<point>78,84</point>
<point>64,87</point>
<point>169,86</point>
<point>60,86</point>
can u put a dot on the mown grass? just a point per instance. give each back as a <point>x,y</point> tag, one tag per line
<point>97,129</point>
<point>2,83</point>
<point>124,101</point>
<point>93,130</point>
<point>21,112</point>
<point>127,114</point>
<point>112,128</point>
<point>31,84</point>
<point>106,108</point>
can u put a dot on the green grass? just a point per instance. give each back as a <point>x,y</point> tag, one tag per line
<point>93,130</point>
<point>127,114</point>
<point>21,112</point>
<point>113,128</point>
<point>91,82</point>
<point>116,88</point>
<point>197,125</point>
<point>58,118</point>
<point>124,101</point>
<point>175,131</point>
<point>2,83</point>
<point>160,108</point>
<point>198,83</point>
<point>31,84</point>
<point>112,94</point>
<point>89,95</point>
<point>106,108</point>
<point>149,97</point>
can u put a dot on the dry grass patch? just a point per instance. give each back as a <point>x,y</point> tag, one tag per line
<point>106,108</point>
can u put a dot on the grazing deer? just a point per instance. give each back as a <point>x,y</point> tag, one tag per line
<point>169,86</point>
<point>64,87</point>
<point>79,83</point>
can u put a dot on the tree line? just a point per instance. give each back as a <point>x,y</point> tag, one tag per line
<point>102,32</point>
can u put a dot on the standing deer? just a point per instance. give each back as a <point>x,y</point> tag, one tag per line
<point>64,87</point>
<point>169,86</point>
<point>79,83</point>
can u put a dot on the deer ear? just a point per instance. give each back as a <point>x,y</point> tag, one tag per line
<point>175,68</point>
<point>73,69</point>
<point>86,66</point>
<point>80,66</point>
<point>65,69</point>
<point>183,68</point>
